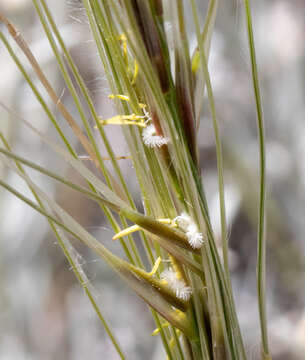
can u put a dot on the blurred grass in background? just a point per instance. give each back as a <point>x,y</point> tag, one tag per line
<point>44,314</point>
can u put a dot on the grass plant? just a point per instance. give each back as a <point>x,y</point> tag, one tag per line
<point>157,86</point>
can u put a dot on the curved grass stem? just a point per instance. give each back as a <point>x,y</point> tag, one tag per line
<point>261,241</point>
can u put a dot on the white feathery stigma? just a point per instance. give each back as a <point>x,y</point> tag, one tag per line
<point>181,290</point>
<point>186,223</point>
<point>183,221</point>
<point>195,238</point>
<point>151,139</point>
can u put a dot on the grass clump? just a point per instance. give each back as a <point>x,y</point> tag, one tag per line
<point>158,92</point>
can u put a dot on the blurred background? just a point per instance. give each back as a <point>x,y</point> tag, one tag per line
<point>44,313</point>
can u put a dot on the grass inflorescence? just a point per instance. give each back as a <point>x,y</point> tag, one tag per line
<point>157,86</point>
